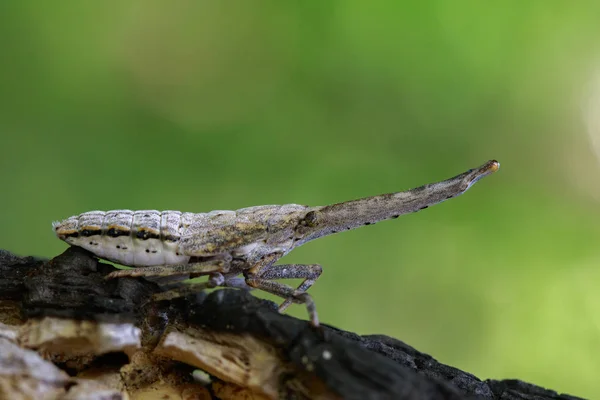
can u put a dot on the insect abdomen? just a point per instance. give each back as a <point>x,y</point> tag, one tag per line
<point>134,238</point>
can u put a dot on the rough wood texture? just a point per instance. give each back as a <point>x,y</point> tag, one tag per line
<point>66,333</point>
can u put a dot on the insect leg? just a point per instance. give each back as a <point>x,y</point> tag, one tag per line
<point>285,291</point>
<point>310,273</point>
<point>201,268</point>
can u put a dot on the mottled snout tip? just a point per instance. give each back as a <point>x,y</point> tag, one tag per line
<point>490,167</point>
<point>486,169</point>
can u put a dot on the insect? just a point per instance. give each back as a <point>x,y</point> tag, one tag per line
<point>226,244</point>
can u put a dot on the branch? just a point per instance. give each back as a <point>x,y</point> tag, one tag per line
<point>66,332</point>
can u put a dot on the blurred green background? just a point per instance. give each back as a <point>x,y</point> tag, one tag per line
<point>199,105</point>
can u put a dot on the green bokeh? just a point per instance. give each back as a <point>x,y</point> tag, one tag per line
<point>202,105</point>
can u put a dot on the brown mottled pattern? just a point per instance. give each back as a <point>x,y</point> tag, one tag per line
<point>254,232</point>
<point>219,232</point>
<point>169,225</point>
<point>369,210</point>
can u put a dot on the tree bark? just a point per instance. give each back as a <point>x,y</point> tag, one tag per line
<point>67,333</point>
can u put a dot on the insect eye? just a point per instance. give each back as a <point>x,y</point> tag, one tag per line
<point>310,219</point>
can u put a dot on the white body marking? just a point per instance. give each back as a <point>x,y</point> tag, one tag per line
<point>134,238</point>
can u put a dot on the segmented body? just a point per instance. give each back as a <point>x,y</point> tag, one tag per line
<point>150,237</point>
<point>249,241</point>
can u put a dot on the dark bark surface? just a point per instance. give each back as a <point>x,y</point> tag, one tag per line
<point>72,286</point>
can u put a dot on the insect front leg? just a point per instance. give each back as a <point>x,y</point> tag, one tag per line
<point>200,268</point>
<point>309,272</point>
<point>285,291</point>
<point>261,277</point>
